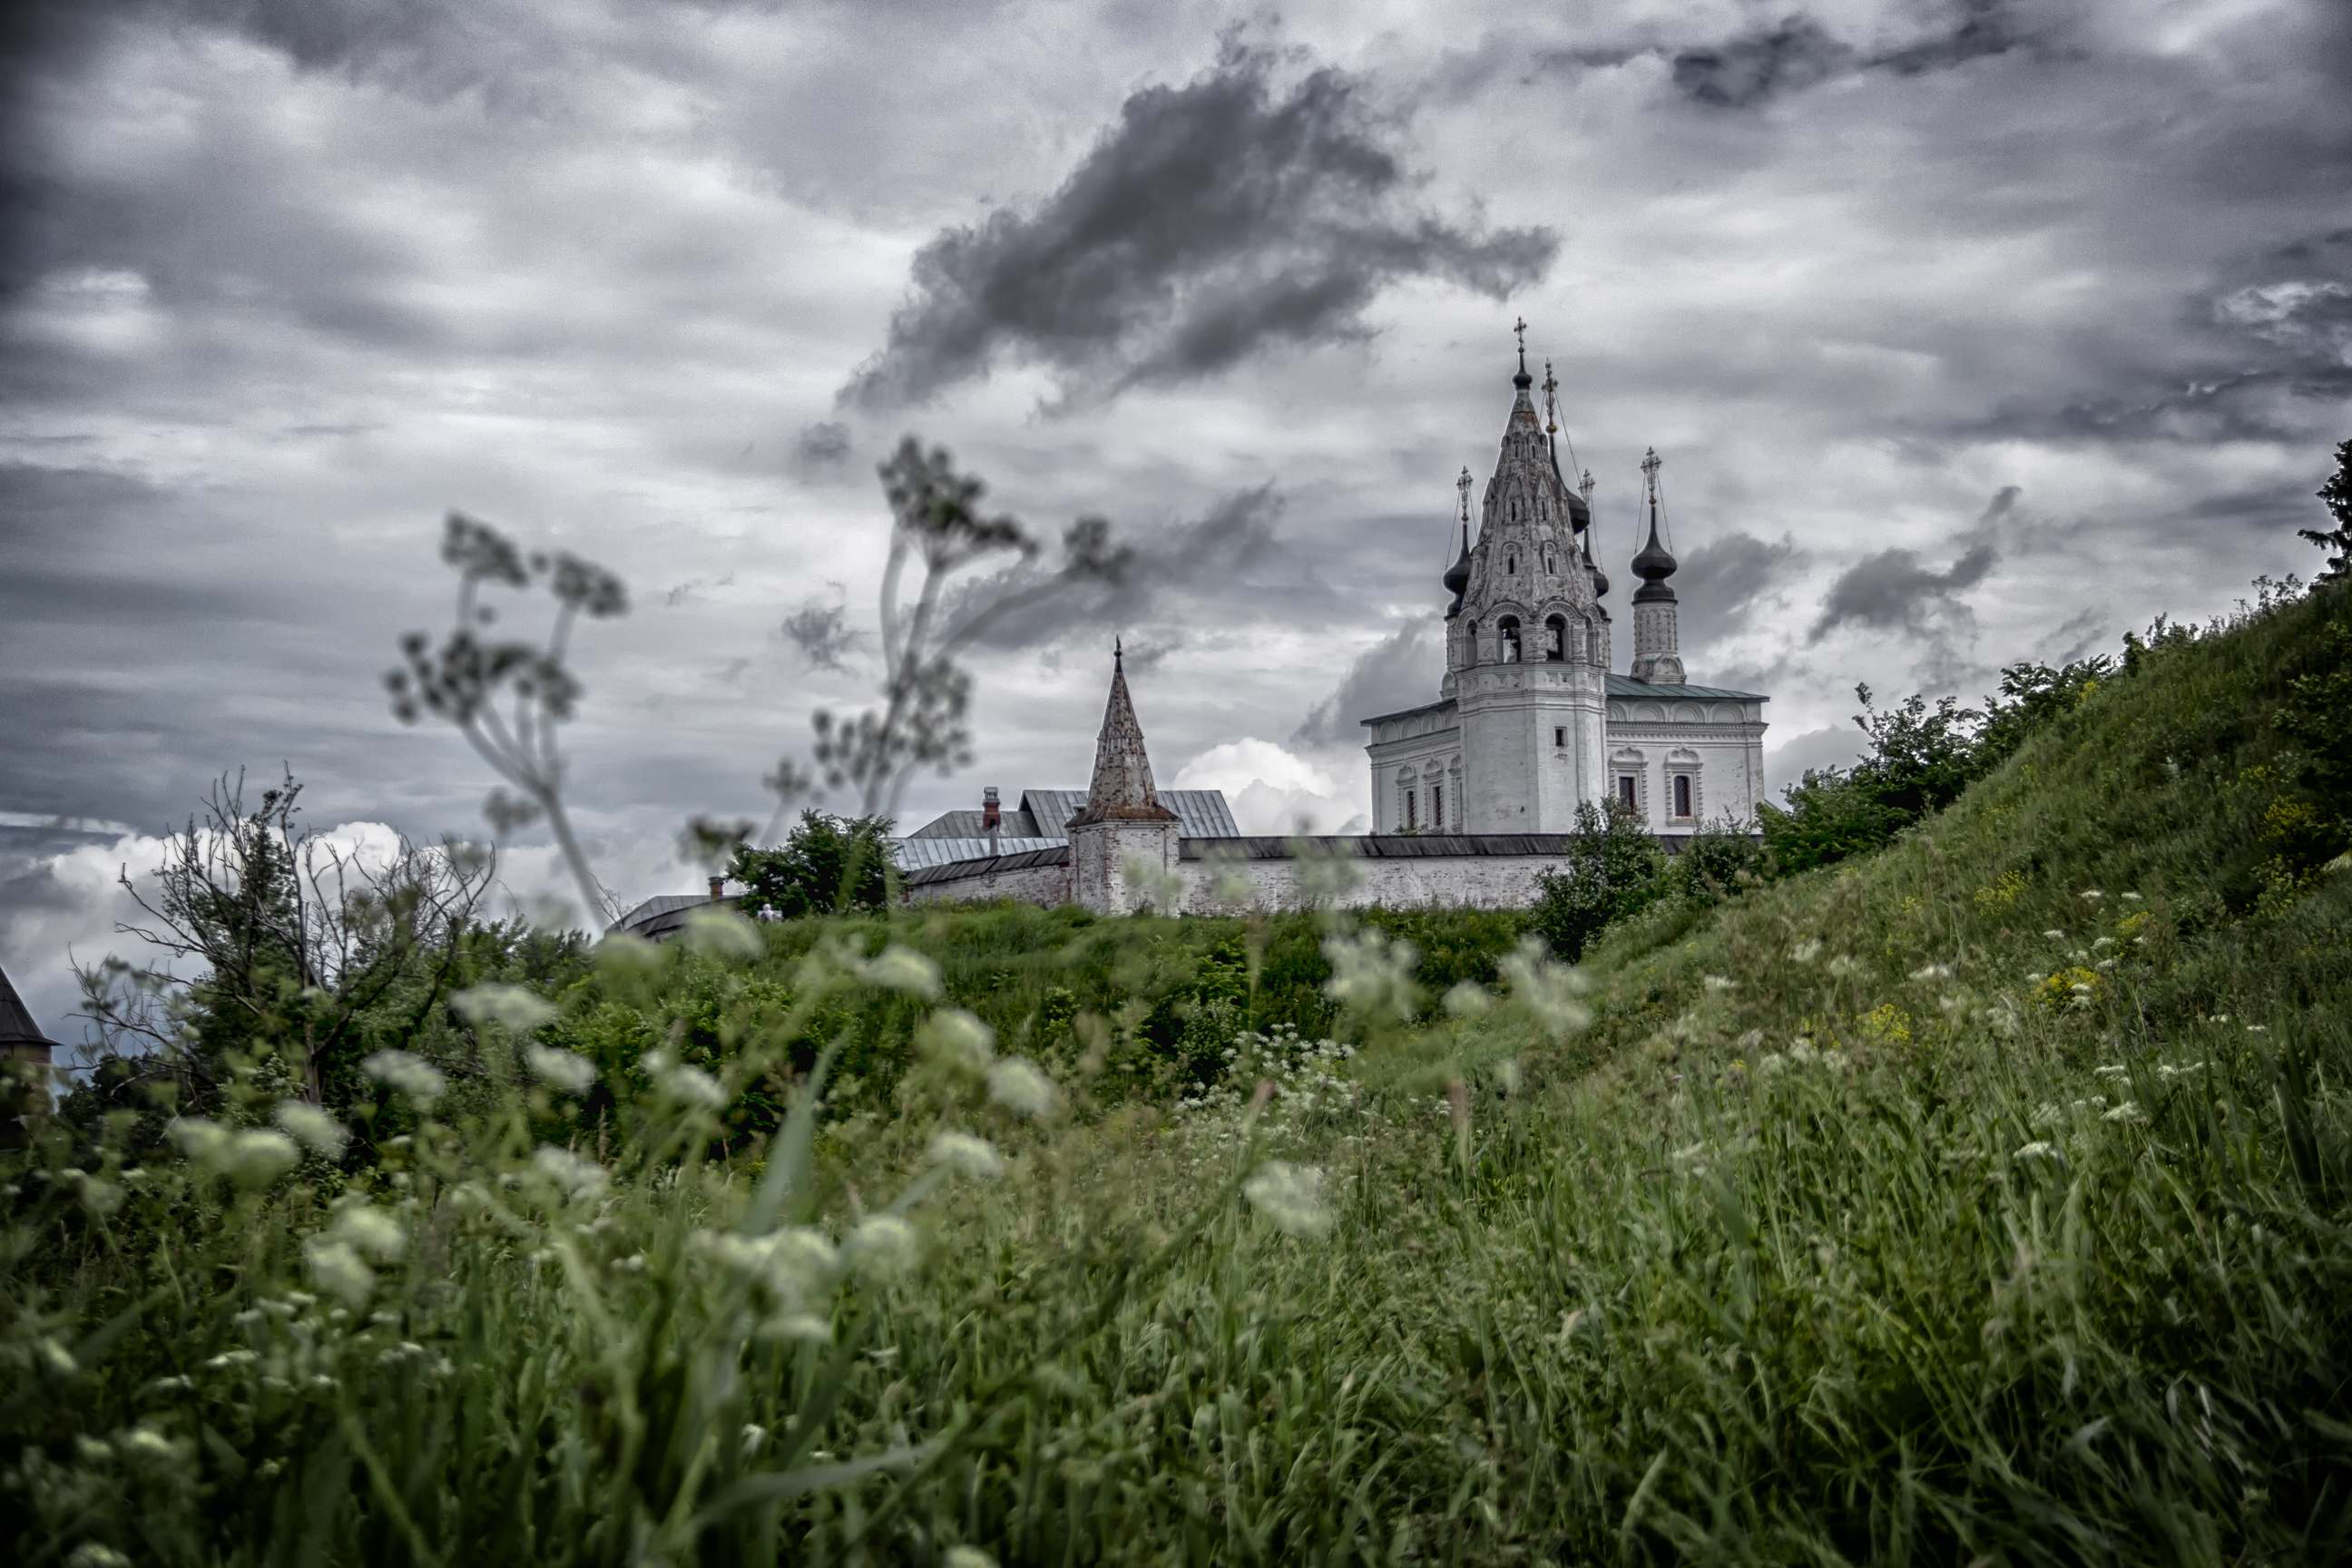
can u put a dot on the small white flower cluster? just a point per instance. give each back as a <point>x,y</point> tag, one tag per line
<point>1548,990</point>
<point>340,1258</point>
<point>1308,1083</point>
<point>567,1070</point>
<point>961,1042</point>
<point>251,1157</point>
<point>407,1074</point>
<point>517,1009</point>
<point>684,1082</point>
<point>1292,1197</point>
<point>577,1180</point>
<point>1801,1053</point>
<point>1372,973</point>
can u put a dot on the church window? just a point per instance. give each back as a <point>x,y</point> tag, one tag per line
<point>1510,565</point>
<point>1559,737</point>
<point>1592,645</point>
<point>1682,794</point>
<point>1555,639</point>
<point>1548,567</point>
<point>1437,805</point>
<point>1509,629</point>
<point>1625,792</point>
<point>1410,821</point>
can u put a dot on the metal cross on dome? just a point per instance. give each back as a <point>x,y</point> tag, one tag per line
<point>1520,327</point>
<point>1463,484</point>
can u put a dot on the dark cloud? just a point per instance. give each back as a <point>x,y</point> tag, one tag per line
<point>1399,671</point>
<point>1746,70</point>
<point>820,447</point>
<point>1892,590</point>
<point>823,635</point>
<point>1228,565</point>
<point>1214,221</point>
<point>1721,583</point>
<point>1798,52</point>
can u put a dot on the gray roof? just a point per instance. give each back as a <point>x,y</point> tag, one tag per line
<point>914,852</point>
<point>1199,813</point>
<point>1626,686</point>
<point>17,1030</point>
<point>1358,847</point>
<point>661,910</point>
<point>1056,853</point>
<point>1014,824</point>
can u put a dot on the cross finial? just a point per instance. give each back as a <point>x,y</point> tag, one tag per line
<point>1463,485</point>
<point>1552,401</point>
<point>1520,327</point>
<point>1586,487</point>
<point>1118,655</point>
<point>1650,466</point>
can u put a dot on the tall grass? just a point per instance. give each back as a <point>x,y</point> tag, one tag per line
<point>1929,1208</point>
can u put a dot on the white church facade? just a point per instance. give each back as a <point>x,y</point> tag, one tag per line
<point>1531,722</point>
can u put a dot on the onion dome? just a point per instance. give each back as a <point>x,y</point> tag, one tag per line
<point>1656,563</point>
<point>1599,578</point>
<point>1457,576</point>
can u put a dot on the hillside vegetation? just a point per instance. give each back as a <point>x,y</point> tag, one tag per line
<point>1980,1198</point>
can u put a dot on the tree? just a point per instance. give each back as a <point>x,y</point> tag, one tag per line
<point>296,943</point>
<point>2338,495</point>
<point>827,864</point>
<point>1613,870</point>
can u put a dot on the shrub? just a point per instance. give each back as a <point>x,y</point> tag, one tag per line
<point>826,865</point>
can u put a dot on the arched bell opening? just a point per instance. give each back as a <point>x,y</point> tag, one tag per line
<point>1507,632</point>
<point>1556,640</point>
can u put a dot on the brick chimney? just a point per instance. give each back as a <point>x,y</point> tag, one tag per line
<point>717,889</point>
<point>991,812</point>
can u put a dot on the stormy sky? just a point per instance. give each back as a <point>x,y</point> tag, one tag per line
<point>1969,330</point>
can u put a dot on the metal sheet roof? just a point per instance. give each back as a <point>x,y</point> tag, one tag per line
<point>914,853</point>
<point>1626,686</point>
<point>1199,813</point>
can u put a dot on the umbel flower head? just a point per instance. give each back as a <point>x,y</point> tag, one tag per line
<point>1292,1197</point>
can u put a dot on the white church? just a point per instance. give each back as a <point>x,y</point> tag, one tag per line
<point>1531,719</point>
<point>1474,794</point>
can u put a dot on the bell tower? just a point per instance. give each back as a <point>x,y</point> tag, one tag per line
<point>1527,643</point>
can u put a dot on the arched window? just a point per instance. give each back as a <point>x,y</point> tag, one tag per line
<point>1555,639</point>
<point>1507,630</point>
<point>1510,565</point>
<point>1593,644</point>
<point>1682,794</point>
<point>1548,567</point>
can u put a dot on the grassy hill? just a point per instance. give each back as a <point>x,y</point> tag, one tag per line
<point>1984,1198</point>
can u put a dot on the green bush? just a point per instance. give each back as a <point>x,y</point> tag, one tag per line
<point>826,865</point>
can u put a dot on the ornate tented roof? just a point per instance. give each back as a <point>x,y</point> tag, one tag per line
<point>1527,553</point>
<point>1122,789</point>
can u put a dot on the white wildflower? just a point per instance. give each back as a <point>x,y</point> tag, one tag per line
<point>2091,895</point>
<point>1292,1197</point>
<point>312,1128</point>
<point>967,1155</point>
<point>517,1009</point>
<point>801,1326</point>
<point>2055,935</point>
<point>579,1178</point>
<point>1020,1084</point>
<point>200,1142</point>
<point>896,968</point>
<point>1546,989</point>
<point>257,1157</point>
<point>371,1231</point>
<point>958,1040</point>
<point>410,1075</point>
<point>720,930</point>
<point>967,1557</point>
<point>1468,999</point>
<point>567,1070</point>
<point>1806,951</point>
<point>145,1443</point>
<point>626,952</point>
<point>1372,973</point>
<point>1718,983</point>
<point>1844,966</point>
<point>2127,1112</point>
<point>885,1245</point>
<point>689,1085</point>
<point>1932,972</point>
<point>2104,943</point>
<point>2115,1071</point>
<point>2130,898</point>
<point>2038,1150</point>
<point>1770,1062</point>
<point>339,1269</point>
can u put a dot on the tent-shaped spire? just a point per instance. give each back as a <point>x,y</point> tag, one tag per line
<point>1122,789</point>
<point>19,1036</point>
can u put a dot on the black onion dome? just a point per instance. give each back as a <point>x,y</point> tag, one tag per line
<point>1457,576</point>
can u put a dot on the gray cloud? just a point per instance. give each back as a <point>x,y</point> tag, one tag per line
<point>1798,52</point>
<point>1399,671</point>
<point>821,446</point>
<point>1214,221</point>
<point>823,635</point>
<point>1722,582</point>
<point>1892,590</point>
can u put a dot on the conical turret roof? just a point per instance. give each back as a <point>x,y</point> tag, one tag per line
<point>1123,789</point>
<point>17,1025</point>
